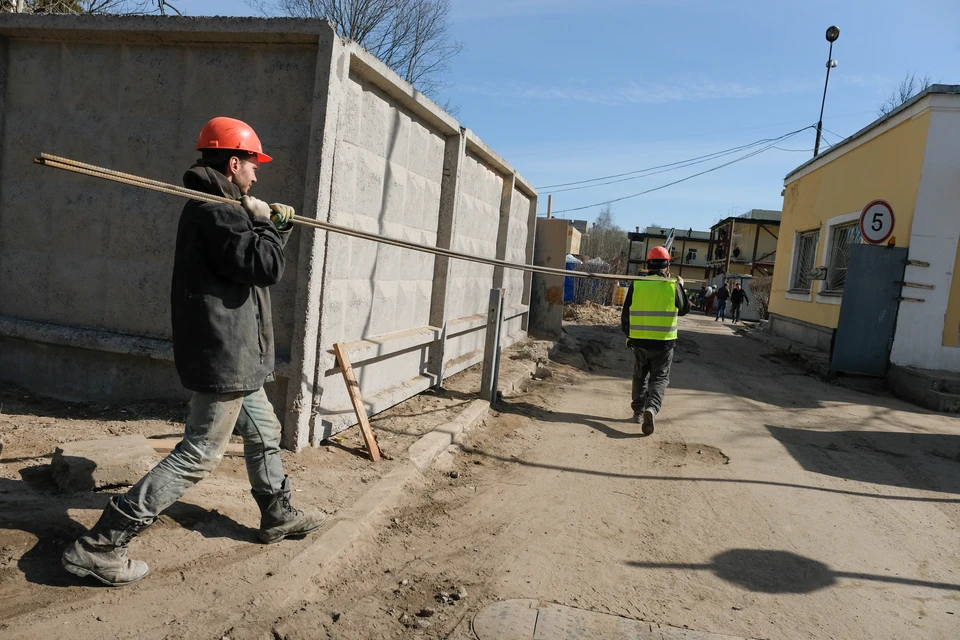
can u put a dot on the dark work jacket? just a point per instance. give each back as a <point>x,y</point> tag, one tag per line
<point>683,307</point>
<point>220,306</point>
<point>739,296</point>
<point>723,293</point>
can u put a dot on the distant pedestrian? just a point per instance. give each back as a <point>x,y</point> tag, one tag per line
<point>702,296</point>
<point>649,318</point>
<point>737,298</point>
<point>723,294</point>
<point>710,299</point>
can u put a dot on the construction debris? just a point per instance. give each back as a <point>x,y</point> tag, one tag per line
<point>591,313</point>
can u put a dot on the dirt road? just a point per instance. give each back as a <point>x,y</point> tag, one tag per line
<point>766,505</point>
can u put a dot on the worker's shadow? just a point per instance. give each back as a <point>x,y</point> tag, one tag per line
<point>594,422</point>
<point>36,506</point>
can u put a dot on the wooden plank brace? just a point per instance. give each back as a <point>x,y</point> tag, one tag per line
<point>353,389</point>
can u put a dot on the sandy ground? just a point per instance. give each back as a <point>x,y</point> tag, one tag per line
<point>767,505</point>
<point>202,545</point>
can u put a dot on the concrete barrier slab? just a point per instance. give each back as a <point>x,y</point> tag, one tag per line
<point>96,464</point>
<point>531,620</point>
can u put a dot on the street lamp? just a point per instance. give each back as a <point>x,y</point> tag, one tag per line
<point>832,34</point>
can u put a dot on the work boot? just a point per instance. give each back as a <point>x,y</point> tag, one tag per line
<point>102,552</point>
<point>278,518</point>
<point>648,421</point>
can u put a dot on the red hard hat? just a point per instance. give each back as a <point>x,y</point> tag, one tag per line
<point>229,133</point>
<point>659,253</point>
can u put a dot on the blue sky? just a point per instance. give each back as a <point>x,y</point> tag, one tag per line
<point>568,90</point>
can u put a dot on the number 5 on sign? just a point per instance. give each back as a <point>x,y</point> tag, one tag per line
<point>876,222</point>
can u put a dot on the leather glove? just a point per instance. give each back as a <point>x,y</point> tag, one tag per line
<point>257,209</point>
<point>680,280</point>
<point>282,215</point>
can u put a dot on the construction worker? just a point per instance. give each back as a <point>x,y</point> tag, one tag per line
<point>649,319</point>
<point>226,257</point>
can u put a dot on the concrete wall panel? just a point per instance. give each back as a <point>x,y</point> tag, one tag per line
<point>111,246</point>
<point>388,170</point>
<point>84,275</point>
<point>513,280</point>
<point>478,220</point>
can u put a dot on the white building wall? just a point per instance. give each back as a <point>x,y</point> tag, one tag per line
<point>933,239</point>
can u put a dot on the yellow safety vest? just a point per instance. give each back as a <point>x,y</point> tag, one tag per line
<point>653,309</point>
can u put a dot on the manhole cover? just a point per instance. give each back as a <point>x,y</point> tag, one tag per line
<point>531,620</point>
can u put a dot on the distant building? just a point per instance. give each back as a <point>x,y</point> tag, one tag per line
<point>689,251</point>
<point>744,245</point>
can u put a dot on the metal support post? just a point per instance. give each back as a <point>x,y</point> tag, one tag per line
<point>439,357</point>
<point>491,347</point>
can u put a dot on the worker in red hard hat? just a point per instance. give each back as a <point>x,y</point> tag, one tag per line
<point>226,258</point>
<point>649,319</point>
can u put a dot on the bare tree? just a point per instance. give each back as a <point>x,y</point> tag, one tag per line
<point>604,250</point>
<point>910,86</point>
<point>760,288</point>
<point>412,37</point>
<point>96,7</point>
<point>605,239</point>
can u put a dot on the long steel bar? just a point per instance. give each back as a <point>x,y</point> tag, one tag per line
<point>66,164</point>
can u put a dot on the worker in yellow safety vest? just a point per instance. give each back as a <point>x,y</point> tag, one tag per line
<point>649,319</point>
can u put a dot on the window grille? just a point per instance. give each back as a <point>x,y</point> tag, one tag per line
<point>842,237</point>
<point>806,251</point>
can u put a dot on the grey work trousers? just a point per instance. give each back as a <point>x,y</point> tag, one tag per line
<point>651,375</point>
<point>207,432</point>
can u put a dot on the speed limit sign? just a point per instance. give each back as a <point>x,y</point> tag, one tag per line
<point>876,222</point>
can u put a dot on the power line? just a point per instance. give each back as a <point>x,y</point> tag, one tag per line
<point>690,177</point>
<point>833,133</point>
<point>695,160</point>
<point>682,164</point>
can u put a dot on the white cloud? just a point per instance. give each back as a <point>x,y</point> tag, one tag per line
<point>628,94</point>
<point>686,90</point>
<point>486,9</point>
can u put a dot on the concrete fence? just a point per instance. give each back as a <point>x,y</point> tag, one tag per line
<point>85,265</point>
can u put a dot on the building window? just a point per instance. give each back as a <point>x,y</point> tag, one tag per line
<point>691,255</point>
<point>805,250</point>
<point>842,237</point>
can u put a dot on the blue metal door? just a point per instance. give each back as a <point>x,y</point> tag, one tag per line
<point>868,313</point>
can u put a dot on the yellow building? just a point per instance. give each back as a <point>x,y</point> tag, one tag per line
<point>909,158</point>
<point>689,252</point>
<point>744,245</point>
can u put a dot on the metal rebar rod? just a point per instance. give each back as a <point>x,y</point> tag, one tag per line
<point>73,166</point>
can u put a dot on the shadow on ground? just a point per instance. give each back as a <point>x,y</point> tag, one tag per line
<point>598,423</point>
<point>748,367</point>
<point>769,571</point>
<point>926,461</point>
<point>35,506</point>
<point>479,452</point>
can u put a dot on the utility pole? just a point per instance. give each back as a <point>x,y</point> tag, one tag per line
<point>832,34</point>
